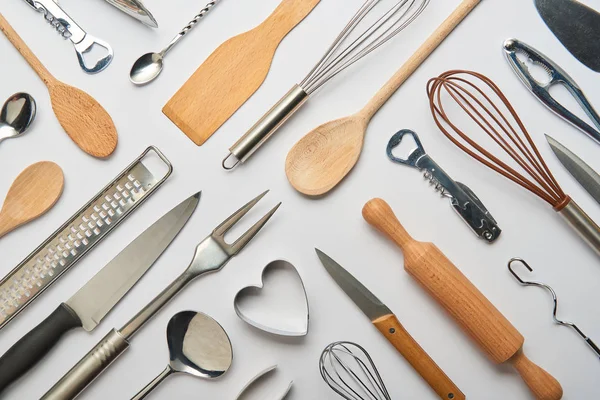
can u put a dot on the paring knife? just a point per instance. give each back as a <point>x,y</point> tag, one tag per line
<point>97,297</point>
<point>576,25</point>
<point>583,173</point>
<point>135,9</point>
<point>389,326</point>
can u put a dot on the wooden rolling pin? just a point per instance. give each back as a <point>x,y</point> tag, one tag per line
<point>496,336</point>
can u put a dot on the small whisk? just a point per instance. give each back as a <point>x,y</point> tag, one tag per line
<point>346,50</point>
<point>589,341</point>
<point>485,104</point>
<point>349,370</point>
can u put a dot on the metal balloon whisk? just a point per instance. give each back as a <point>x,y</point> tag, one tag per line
<point>492,116</point>
<point>349,370</point>
<point>360,37</point>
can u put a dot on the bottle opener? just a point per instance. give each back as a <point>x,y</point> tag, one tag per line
<point>464,201</point>
<point>69,29</point>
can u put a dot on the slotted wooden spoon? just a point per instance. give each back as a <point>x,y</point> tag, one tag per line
<point>232,73</point>
<point>84,120</point>
<point>322,158</point>
<point>34,192</point>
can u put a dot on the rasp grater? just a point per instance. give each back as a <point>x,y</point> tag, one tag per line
<point>78,235</point>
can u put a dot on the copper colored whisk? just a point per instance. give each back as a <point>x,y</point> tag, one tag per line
<point>483,101</point>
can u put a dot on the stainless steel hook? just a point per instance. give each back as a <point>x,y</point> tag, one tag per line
<point>554,299</point>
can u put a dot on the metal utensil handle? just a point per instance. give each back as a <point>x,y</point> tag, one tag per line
<point>267,125</point>
<point>153,384</point>
<point>59,19</point>
<point>189,26</point>
<point>90,367</point>
<point>587,229</point>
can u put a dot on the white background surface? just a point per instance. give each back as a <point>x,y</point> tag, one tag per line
<point>530,228</point>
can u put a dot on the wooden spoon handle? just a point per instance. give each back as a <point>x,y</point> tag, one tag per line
<point>541,383</point>
<point>26,52</point>
<point>395,333</point>
<point>415,61</point>
<point>286,16</point>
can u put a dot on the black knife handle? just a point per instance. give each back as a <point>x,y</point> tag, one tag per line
<point>32,347</point>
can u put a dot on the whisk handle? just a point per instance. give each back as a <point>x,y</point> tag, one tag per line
<point>394,332</point>
<point>422,53</point>
<point>583,224</point>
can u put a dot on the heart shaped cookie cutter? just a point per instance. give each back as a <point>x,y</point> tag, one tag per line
<point>253,290</point>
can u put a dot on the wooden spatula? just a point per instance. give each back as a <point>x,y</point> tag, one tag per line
<point>322,158</point>
<point>232,73</point>
<point>34,192</point>
<point>84,120</point>
<point>475,314</point>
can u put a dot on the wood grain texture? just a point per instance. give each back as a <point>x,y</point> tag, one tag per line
<point>80,115</point>
<point>395,333</point>
<point>474,313</point>
<point>33,193</point>
<point>232,73</point>
<point>321,159</point>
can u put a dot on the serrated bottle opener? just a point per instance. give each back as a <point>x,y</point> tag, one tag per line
<point>463,200</point>
<point>69,29</point>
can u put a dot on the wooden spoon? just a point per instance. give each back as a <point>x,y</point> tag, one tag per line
<point>232,73</point>
<point>322,158</point>
<point>34,192</point>
<point>84,120</point>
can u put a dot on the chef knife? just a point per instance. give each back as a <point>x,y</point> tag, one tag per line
<point>583,173</point>
<point>576,25</point>
<point>97,297</point>
<point>135,9</point>
<point>389,326</point>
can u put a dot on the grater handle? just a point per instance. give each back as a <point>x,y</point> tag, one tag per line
<point>32,347</point>
<point>89,367</point>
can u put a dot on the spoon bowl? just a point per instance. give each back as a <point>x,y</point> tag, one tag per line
<point>198,346</point>
<point>16,115</point>
<point>146,68</point>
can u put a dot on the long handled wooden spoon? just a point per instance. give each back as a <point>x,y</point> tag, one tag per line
<point>84,120</point>
<point>34,192</point>
<point>232,73</point>
<point>322,158</point>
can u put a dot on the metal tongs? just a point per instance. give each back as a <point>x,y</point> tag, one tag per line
<point>69,29</point>
<point>462,199</point>
<point>541,90</point>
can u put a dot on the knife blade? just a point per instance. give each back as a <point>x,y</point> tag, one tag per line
<point>86,308</point>
<point>135,9</point>
<point>576,26</point>
<point>583,173</point>
<point>389,326</point>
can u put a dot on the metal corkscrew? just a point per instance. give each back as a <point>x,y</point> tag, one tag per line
<point>69,29</point>
<point>463,200</point>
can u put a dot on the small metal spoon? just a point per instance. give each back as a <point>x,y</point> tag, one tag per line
<point>198,345</point>
<point>17,114</point>
<point>150,65</point>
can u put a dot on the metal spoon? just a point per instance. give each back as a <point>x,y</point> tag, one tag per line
<point>150,65</point>
<point>18,112</point>
<point>198,345</point>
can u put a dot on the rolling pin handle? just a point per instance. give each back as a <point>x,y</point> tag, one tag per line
<point>541,383</point>
<point>380,215</point>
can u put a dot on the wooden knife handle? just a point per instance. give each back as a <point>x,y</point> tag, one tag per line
<point>286,16</point>
<point>395,333</point>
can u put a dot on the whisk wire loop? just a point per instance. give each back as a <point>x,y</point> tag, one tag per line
<point>510,134</point>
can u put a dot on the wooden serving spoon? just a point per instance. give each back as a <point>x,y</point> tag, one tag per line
<point>232,73</point>
<point>34,192</point>
<point>322,158</point>
<point>84,120</point>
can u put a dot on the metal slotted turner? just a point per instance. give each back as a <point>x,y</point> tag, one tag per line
<point>84,230</point>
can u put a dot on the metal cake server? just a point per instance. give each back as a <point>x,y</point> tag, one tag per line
<point>95,299</point>
<point>576,25</point>
<point>583,173</point>
<point>135,9</point>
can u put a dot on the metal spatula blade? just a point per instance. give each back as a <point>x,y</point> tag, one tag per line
<point>135,9</point>
<point>577,26</point>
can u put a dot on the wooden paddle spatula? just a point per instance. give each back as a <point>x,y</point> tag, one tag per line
<point>232,73</point>
<point>84,120</point>
<point>471,310</point>
<point>322,158</point>
<point>34,192</point>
